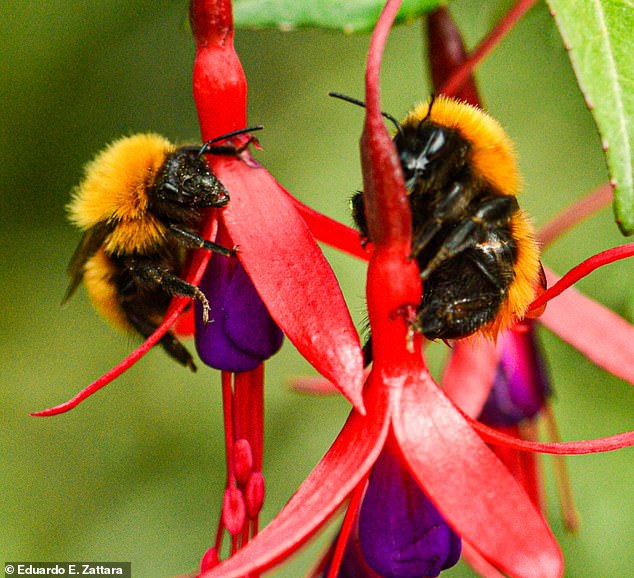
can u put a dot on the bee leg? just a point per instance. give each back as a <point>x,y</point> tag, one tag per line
<point>169,342</point>
<point>470,231</point>
<point>427,233</point>
<point>465,235</point>
<point>450,206</point>
<point>193,241</point>
<point>171,284</point>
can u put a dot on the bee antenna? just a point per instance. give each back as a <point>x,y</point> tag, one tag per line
<point>225,136</point>
<point>431,103</point>
<point>396,123</point>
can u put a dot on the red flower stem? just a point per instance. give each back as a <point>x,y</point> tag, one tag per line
<point>256,416</point>
<point>349,520</point>
<point>227,407</point>
<point>255,527</point>
<point>461,74</point>
<point>387,207</point>
<point>575,213</point>
<point>219,84</point>
<point>583,269</point>
<point>219,533</point>
<point>211,21</point>
<point>241,401</point>
<point>244,535</point>
<point>394,285</point>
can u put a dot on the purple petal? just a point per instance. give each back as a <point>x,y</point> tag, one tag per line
<point>240,334</point>
<point>521,383</point>
<point>402,534</point>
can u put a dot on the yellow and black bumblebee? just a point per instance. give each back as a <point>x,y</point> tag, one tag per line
<point>476,249</point>
<point>140,205</point>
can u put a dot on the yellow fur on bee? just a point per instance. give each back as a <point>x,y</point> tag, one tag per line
<point>527,270</point>
<point>492,153</point>
<point>98,279</point>
<point>115,191</point>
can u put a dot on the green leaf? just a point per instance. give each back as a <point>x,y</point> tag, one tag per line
<point>347,16</point>
<point>599,35</point>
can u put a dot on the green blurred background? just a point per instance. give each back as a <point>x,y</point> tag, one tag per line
<point>136,473</point>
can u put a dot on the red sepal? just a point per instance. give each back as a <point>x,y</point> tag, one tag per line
<point>332,232</point>
<point>469,374</point>
<point>478,562</point>
<point>476,494</point>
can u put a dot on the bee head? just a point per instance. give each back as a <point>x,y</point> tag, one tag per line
<point>186,181</point>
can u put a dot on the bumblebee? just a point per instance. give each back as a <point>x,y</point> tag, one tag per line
<point>140,205</point>
<point>476,249</point>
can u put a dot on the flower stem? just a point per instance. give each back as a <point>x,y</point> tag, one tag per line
<point>490,41</point>
<point>575,213</point>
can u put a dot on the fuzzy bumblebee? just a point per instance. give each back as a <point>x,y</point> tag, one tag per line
<point>140,205</point>
<point>476,249</point>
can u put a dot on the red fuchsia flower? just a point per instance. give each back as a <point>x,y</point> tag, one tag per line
<point>515,367</point>
<point>431,439</point>
<point>289,272</point>
<point>276,281</point>
<point>440,448</point>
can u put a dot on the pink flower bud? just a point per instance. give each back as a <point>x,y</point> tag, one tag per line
<point>254,494</point>
<point>233,511</point>
<point>243,460</point>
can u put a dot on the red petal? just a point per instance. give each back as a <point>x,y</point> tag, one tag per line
<point>596,331</point>
<point>475,493</point>
<point>345,464</point>
<point>292,275</point>
<point>469,374</point>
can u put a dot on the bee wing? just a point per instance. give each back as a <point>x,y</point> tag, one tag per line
<point>91,241</point>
